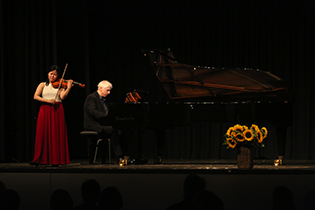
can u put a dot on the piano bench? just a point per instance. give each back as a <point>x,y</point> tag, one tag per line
<point>94,141</point>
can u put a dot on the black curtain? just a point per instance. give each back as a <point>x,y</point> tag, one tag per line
<point>28,40</point>
<point>36,35</point>
<point>103,40</point>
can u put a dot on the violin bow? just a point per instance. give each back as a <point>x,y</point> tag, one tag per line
<point>63,74</point>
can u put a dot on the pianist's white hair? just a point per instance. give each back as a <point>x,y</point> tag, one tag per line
<point>104,84</point>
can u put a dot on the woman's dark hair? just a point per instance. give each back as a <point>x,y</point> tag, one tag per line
<point>52,68</point>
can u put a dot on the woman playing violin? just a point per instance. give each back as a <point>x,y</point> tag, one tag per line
<point>51,142</point>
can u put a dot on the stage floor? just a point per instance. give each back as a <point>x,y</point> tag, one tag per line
<point>157,186</point>
<point>263,166</point>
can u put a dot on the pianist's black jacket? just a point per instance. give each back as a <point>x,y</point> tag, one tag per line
<point>93,111</point>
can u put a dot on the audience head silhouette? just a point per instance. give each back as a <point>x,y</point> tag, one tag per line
<point>2,187</point>
<point>61,200</point>
<point>193,184</point>
<point>9,200</point>
<point>309,202</point>
<point>90,191</point>
<point>111,199</point>
<point>282,199</point>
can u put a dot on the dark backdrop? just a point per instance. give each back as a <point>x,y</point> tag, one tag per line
<point>103,40</point>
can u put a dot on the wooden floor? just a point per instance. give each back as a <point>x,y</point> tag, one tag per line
<point>263,166</point>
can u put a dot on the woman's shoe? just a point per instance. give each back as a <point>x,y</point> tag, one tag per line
<point>33,163</point>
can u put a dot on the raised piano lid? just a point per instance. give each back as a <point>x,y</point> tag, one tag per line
<point>188,82</point>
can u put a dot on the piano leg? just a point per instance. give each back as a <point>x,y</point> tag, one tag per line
<point>281,138</point>
<point>141,159</point>
<point>284,120</point>
<point>160,143</point>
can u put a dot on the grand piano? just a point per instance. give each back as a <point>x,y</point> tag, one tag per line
<point>207,94</point>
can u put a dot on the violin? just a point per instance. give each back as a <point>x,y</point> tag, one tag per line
<point>64,83</point>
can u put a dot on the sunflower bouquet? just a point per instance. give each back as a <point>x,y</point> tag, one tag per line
<point>241,135</point>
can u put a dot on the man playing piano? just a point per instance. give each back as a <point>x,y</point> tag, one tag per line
<point>95,108</point>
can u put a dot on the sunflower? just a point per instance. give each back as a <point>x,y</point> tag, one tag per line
<point>259,137</point>
<point>248,135</point>
<point>229,131</point>
<point>239,137</point>
<point>231,142</point>
<point>233,133</point>
<point>264,132</point>
<point>255,127</point>
<point>238,128</point>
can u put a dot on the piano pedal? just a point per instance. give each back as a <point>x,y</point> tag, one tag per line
<point>158,161</point>
<point>121,162</point>
<point>279,161</point>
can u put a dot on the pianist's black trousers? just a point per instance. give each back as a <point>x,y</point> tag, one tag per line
<point>112,133</point>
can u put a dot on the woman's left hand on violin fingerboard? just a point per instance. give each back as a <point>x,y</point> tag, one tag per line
<point>70,83</point>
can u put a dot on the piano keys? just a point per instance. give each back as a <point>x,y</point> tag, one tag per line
<point>183,113</point>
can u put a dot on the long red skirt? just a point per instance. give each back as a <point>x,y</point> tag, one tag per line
<point>51,143</point>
